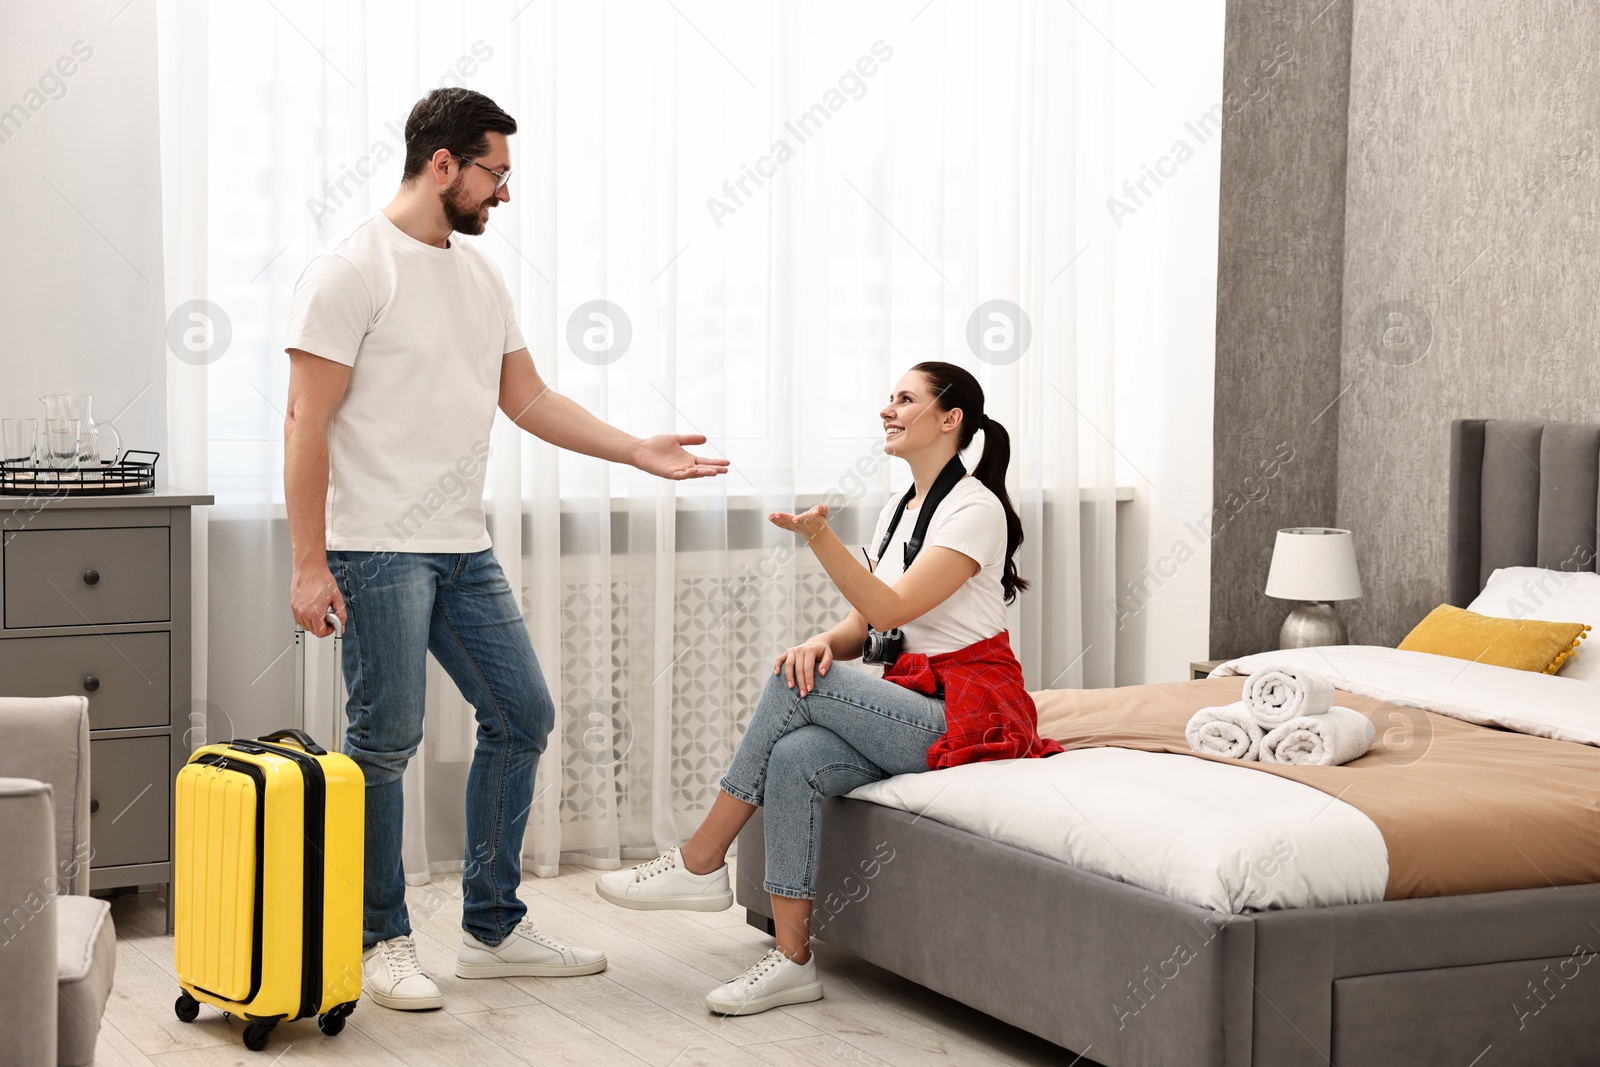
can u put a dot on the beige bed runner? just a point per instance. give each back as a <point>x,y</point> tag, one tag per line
<point>1462,808</point>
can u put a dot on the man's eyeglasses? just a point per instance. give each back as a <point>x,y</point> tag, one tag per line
<point>500,178</point>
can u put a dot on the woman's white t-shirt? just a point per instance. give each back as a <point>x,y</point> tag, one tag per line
<point>425,331</point>
<point>972,521</point>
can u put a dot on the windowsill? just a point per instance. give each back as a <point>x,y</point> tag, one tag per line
<point>743,503</point>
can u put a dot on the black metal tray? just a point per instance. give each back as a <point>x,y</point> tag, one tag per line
<point>126,476</point>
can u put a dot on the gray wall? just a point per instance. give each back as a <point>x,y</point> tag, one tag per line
<point>1471,206</point>
<point>1470,258</point>
<point>1280,254</point>
<point>81,280</point>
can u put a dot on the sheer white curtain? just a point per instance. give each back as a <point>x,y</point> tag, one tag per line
<point>738,220</point>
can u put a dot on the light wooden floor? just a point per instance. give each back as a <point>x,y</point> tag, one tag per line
<point>646,1008</point>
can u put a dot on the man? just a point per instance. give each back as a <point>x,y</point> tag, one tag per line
<point>402,341</point>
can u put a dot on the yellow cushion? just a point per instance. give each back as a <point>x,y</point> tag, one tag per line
<point>1524,644</point>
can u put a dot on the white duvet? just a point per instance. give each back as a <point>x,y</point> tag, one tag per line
<point>1232,838</point>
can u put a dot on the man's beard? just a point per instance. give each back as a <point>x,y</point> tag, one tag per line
<point>463,215</point>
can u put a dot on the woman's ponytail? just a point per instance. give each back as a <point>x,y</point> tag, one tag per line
<point>991,471</point>
<point>954,388</point>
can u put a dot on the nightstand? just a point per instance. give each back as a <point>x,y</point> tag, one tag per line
<point>1202,667</point>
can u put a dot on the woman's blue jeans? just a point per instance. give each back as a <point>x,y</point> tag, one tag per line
<point>850,730</point>
<point>459,606</point>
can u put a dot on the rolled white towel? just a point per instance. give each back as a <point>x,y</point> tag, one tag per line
<point>1338,735</point>
<point>1275,695</point>
<point>1228,731</point>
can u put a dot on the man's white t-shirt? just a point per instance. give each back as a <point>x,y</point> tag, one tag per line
<point>972,521</point>
<point>424,330</point>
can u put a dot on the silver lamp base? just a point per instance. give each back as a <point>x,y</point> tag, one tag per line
<point>1313,624</point>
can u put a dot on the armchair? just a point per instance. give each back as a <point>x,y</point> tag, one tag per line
<point>57,944</point>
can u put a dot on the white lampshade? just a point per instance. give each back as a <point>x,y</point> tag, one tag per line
<point>1314,563</point>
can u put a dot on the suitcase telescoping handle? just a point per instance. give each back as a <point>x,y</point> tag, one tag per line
<point>332,619</point>
<point>299,737</point>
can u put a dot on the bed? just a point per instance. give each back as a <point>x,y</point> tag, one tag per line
<point>1210,968</point>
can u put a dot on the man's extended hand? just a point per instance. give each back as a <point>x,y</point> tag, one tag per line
<point>663,455</point>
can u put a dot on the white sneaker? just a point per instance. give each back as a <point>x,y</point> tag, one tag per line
<point>525,953</point>
<point>771,982</point>
<point>391,976</point>
<point>665,883</point>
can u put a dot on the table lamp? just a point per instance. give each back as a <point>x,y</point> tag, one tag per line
<point>1314,565</point>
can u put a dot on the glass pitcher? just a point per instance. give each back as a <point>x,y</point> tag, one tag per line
<point>80,406</point>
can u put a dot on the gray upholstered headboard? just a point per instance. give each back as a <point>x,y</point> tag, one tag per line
<point>1522,494</point>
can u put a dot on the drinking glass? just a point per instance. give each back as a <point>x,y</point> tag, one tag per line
<point>62,442</point>
<point>21,441</point>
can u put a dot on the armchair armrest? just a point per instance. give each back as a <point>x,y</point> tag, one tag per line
<point>27,921</point>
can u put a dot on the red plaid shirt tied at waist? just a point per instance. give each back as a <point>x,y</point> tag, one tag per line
<point>988,714</point>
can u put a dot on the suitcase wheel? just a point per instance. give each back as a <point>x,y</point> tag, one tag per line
<point>332,1021</point>
<point>186,1007</point>
<point>256,1034</point>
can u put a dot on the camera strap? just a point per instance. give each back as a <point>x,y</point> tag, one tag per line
<point>953,472</point>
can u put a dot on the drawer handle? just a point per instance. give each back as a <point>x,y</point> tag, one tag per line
<point>90,683</point>
<point>91,577</point>
<point>94,805</point>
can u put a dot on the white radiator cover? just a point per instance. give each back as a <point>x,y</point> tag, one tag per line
<point>647,728</point>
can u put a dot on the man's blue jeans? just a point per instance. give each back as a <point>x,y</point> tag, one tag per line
<point>459,606</point>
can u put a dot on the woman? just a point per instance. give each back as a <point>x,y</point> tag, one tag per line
<point>953,695</point>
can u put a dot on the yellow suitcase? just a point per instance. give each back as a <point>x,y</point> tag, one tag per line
<point>268,883</point>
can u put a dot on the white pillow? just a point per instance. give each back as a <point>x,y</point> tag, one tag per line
<point>1549,596</point>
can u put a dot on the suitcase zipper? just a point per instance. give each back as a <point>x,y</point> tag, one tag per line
<point>314,863</point>
<point>256,775</point>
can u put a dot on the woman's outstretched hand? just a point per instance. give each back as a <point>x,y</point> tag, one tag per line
<point>804,662</point>
<point>807,525</point>
<point>664,456</point>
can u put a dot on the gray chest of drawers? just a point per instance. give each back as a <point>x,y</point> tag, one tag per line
<point>94,599</point>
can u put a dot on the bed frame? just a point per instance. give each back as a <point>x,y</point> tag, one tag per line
<point>1131,978</point>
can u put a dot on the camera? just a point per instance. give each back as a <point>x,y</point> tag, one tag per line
<point>882,648</point>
